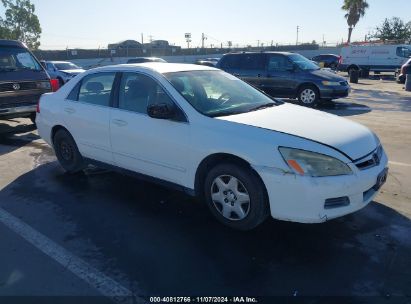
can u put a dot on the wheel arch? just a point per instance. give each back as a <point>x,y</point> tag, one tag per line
<point>54,131</point>
<point>213,160</point>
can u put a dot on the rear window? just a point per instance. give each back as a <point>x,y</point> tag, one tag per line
<point>16,59</point>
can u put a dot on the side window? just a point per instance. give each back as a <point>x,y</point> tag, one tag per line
<point>231,62</point>
<point>138,91</point>
<point>74,92</point>
<point>49,66</point>
<point>278,63</point>
<point>96,89</point>
<point>252,62</point>
<point>403,51</point>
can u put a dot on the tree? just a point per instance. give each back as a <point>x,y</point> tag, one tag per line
<point>393,29</point>
<point>355,10</point>
<point>20,23</point>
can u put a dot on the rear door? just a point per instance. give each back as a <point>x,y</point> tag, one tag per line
<point>279,78</point>
<point>248,66</point>
<point>86,113</point>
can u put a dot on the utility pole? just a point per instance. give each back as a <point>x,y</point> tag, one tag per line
<point>298,30</point>
<point>203,37</point>
<point>142,38</point>
<point>258,43</point>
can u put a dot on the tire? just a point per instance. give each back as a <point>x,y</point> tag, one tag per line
<point>67,152</point>
<point>308,95</point>
<point>236,196</point>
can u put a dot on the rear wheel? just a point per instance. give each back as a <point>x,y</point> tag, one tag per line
<point>236,196</point>
<point>308,96</point>
<point>67,152</point>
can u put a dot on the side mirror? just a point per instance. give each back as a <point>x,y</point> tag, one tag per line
<point>160,111</point>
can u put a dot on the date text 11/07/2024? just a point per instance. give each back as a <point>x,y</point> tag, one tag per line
<point>203,300</point>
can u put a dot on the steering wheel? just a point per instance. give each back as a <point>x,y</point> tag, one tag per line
<point>224,98</point>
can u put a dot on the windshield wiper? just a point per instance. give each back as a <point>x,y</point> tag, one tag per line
<point>263,106</point>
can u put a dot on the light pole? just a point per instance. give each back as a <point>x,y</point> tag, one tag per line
<point>188,39</point>
<point>298,30</point>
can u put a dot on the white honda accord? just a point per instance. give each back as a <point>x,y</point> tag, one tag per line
<point>214,136</point>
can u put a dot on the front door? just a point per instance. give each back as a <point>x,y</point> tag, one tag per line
<point>154,147</point>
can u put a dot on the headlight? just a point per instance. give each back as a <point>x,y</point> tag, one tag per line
<point>44,85</point>
<point>313,164</point>
<point>330,83</point>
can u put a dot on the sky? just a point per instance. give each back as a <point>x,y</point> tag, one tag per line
<point>96,23</point>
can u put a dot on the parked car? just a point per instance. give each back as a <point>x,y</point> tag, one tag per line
<point>289,75</point>
<point>374,57</point>
<point>405,69</point>
<point>22,80</point>
<point>63,71</point>
<point>204,131</point>
<point>212,62</point>
<point>145,59</point>
<point>327,60</point>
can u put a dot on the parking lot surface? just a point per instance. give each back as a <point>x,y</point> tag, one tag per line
<point>102,233</point>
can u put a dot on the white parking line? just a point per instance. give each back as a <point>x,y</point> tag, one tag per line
<point>102,283</point>
<point>399,164</point>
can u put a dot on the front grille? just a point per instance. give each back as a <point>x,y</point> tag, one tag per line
<point>10,102</point>
<point>24,85</point>
<point>371,160</point>
<point>336,202</point>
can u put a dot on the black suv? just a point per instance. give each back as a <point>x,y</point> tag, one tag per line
<point>289,75</point>
<point>22,80</point>
<point>329,60</point>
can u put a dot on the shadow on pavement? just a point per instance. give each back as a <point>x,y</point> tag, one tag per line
<point>169,244</point>
<point>13,137</point>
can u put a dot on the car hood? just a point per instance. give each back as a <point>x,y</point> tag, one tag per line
<point>78,71</point>
<point>327,75</point>
<point>349,137</point>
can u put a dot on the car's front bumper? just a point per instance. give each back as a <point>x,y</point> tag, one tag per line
<point>303,199</point>
<point>334,92</point>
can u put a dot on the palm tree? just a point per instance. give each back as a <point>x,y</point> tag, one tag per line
<point>355,10</point>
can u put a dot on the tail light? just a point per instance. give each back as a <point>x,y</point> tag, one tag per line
<point>38,106</point>
<point>340,60</point>
<point>54,85</point>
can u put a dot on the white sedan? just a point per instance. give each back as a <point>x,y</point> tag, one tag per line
<point>214,136</point>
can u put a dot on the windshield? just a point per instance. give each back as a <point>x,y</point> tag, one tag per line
<point>15,59</point>
<point>216,93</point>
<point>303,63</point>
<point>66,66</point>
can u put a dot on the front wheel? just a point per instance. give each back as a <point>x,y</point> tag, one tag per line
<point>308,96</point>
<point>67,152</point>
<point>236,196</point>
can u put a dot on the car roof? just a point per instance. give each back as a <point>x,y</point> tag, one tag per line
<point>269,52</point>
<point>158,67</point>
<point>5,42</point>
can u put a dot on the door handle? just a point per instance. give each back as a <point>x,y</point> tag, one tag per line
<point>69,110</point>
<point>119,122</point>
